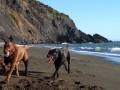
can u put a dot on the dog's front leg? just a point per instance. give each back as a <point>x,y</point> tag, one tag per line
<point>4,66</point>
<point>56,71</point>
<point>10,72</point>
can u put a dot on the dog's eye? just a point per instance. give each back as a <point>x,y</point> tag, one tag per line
<point>6,46</point>
<point>47,55</point>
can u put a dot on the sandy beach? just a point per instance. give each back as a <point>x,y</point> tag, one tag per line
<point>87,73</point>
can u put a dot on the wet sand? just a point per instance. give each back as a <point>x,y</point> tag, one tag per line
<point>87,73</point>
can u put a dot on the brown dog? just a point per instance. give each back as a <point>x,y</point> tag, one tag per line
<point>13,54</point>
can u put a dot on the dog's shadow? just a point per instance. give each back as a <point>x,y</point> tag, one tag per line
<point>33,74</point>
<point>22,73</point>
<point>3,72</point>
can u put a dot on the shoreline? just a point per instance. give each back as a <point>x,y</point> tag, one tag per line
<point>86,70</point>
<point>113,59</point>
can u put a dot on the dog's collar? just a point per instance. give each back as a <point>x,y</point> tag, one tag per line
<point>57,51</point>
<point>56,56</point>
<point>12,52</point>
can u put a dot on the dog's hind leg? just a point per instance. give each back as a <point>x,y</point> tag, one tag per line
<point>69,61</point>
<point>68,67</point>
<point>25,60</point>
<point>65,66</point>
<point>16,67</point>
<point>26,66</point>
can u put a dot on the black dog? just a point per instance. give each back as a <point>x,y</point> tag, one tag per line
<point>59,56</point>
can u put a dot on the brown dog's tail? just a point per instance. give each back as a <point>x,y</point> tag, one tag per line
<point>27,48</point>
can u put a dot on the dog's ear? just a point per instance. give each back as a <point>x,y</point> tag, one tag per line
<point>4,41</point>
<point>11,38</point>
<point>54,49</point>
<point>8,39</point>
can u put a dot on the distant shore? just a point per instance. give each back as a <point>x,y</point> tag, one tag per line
<point>86,71</point>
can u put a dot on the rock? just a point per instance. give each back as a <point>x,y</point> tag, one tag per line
<point>31,20</point>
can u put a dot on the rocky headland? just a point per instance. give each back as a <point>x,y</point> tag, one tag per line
<point>30,21</point>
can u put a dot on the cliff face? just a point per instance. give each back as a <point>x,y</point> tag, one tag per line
<point>32,20</point>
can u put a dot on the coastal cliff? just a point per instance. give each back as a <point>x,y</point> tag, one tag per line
<point>29,20</point>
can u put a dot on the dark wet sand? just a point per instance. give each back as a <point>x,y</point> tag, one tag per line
<point>87,73</point>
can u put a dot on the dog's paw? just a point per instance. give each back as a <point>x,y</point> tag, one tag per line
<point>16,76</point>
<point>3,82</point>
<point>54,78</point>
<point>47,77</point>
<point>26,74</point>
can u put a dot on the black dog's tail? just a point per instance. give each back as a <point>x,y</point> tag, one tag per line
<point>67,46</point>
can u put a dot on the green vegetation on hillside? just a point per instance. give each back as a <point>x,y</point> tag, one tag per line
<point>54,12</point>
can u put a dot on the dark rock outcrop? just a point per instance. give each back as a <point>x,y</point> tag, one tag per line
<point>28,20</point>
<point>99,39</point>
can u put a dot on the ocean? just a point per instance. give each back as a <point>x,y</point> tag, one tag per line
<point>108,51</point>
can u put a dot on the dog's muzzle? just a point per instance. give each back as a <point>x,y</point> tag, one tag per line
<point>6,53</point>
<point>52,58</point>
<point>52,55</point>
